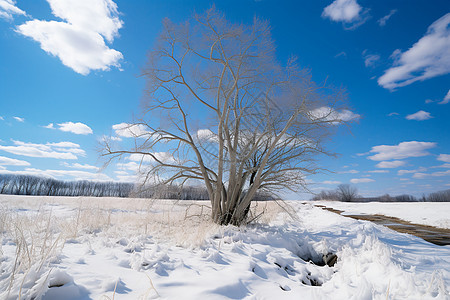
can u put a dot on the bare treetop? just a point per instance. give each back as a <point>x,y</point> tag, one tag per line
<point>229,114</point>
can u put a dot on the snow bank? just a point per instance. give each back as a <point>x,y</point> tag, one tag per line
<point>435,214</point>
<point>165,250</point>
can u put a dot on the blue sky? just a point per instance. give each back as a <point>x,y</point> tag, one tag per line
<point>69,74</point>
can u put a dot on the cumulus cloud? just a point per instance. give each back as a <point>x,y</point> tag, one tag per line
<point>335,117</point>
<point>401,151</point>
<point>393,114</point>
<point>382,21</point>
<point>349,12</point>
<point>79,41</point>
<point>131,130</point>
<point>419,116</point>
<point>378,171</point>
<point>100,16</point>
<point>62,150</point>
<point>6,161</point>
<point>77,128</point>
<point>19,119</point>
<point>390,164</point>
<point>361,180</point>
<point>206,135</point>
<point>428,58</point>
<point>446,98</point>
<point>8,8</point>
<point>342,10</point>
<point>444,158</point>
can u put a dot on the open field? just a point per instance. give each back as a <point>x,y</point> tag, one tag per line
<point>435,214</point>
<point>115,248</point>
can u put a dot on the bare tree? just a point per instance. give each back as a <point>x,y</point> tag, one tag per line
<point>220,109</point>
<point>347,192</point>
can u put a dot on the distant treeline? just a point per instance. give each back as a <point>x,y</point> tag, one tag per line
<point>347,193</point>
<point>42,186</point>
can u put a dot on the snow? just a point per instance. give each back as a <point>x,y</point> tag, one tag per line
<point>111,248</point>
<point>435,214</point>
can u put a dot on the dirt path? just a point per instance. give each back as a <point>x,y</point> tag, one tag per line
<point>437,236</point>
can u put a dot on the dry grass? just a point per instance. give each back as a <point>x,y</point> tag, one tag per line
<point>33,235</point>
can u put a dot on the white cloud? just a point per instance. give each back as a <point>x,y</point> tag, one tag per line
<point>1,118</point>
<point>403,172</point>
<point>6,161</point>
<point>62,150</point>
<point>420,175</point>
<point>435,174</point>
<point>390,164</point>
<point>125,176</point>
<point>400,151</point>
<point>331,182</point>
<point>370,59</point>
<point>80,166</point>
<point>378,171</point>
<point>382,21</point>
<point>115,138</point>
<point>428,58</point>
<point>326,113</point>
<point>447,165</point>
<point>77,128</point>
<point>350,172</point>
<point>62,174</point>
<point>19,119</point>
<point>8,8</point>
<point>100,16</point>
<point>107,138</point>
<point>361,180</point>
<point>342,53</point>
<point>419,116</point>
<point>165,157</point>
<point>49,126</point>
<point>206,135</point>
<point>393,114</point>
<point>140,164</point>
<point>346,11</point>
<point>446,98</point>
<point>79,40</point>
<point>130,166</point>
<point>131,130</point>
<point>444,158</point>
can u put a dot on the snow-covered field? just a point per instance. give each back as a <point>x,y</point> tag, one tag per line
<point>435,214</point>
<point>110,248</point>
